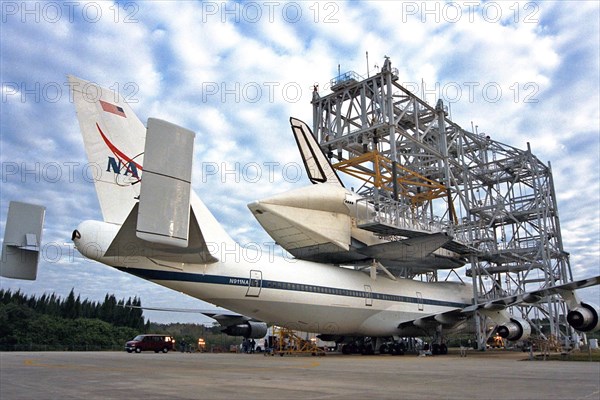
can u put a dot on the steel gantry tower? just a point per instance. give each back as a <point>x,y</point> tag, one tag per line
<point>424,173</point>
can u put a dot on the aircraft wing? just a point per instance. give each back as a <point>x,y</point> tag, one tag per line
<point>534,296</point>
<point>450,318</point>
<point>495,308</point>
<point>208,313</point>
<point>223,317</point>
<point>233,324</point>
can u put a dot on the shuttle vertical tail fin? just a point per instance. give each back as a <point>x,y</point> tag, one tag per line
<point>317,165</point>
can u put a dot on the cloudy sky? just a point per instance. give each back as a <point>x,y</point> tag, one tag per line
<point>235,72</point>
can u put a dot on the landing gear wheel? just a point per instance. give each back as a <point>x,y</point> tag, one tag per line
<point>366,350</point>
<point>443,349</point>
<point>384,349</point>
<point>399,349</point>
<point>350,348</point>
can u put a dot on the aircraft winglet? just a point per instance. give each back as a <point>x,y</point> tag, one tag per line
<point>22,239</point>
<point>164,208</point>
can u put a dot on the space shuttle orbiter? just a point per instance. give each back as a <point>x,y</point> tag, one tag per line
<point>323,222</point>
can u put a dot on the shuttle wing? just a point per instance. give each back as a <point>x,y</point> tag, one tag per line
<point>408,249</point>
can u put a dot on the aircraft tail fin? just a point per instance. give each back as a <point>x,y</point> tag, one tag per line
<point>317,165</point>
<point>114,140</point>
<point>168,223</point>
<point>152,200</point>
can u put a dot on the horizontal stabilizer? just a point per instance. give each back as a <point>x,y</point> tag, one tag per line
<point>22,239</point>
<point>317,165</point>
<point>127,244</point>
<point>407,249</point>
<point>164,207</point>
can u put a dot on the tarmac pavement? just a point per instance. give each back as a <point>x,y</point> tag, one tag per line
<point>119,375</point>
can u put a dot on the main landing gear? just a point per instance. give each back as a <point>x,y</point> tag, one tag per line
<point>435,349</point>
<point>368,346</point>
<point>395,349</point>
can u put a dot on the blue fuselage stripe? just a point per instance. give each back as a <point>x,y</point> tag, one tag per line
<point>265,284</point>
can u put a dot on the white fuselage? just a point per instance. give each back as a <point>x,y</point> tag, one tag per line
<point>298,294</point>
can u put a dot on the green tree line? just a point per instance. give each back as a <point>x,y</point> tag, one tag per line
<point>50,322</point>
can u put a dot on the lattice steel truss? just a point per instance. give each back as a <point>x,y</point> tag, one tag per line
<point>497,200</point>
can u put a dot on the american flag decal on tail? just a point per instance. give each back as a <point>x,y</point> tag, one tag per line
<point>113,109</point>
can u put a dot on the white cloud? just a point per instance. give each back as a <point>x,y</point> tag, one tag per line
<point>174,52</point>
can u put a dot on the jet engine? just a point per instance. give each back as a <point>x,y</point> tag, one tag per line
<point>516,329</point>
<point>584,318</point>
<point>249,330</point>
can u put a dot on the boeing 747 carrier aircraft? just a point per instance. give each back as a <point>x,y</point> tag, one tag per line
<point>155,227</point>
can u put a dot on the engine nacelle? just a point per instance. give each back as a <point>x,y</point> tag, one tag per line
<point>584,318</point>
<point>249,330</point>
<point>516,329</point>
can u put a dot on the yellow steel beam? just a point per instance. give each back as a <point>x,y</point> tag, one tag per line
<point>380,175</point>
